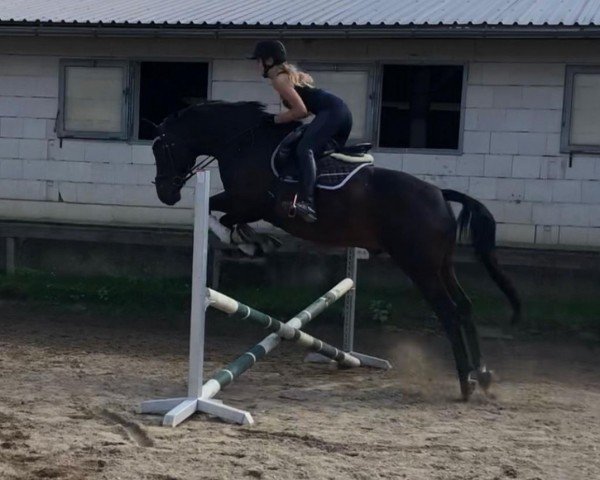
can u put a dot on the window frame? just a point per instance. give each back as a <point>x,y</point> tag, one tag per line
<point>369,68</point>
<point>379,105</point>
<point>131,89</point>
<point>565,134</point>
<point>62,132</point>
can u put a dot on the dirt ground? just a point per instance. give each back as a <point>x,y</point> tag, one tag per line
<point>69,386</point>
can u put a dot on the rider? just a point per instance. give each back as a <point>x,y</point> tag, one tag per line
<point>333,120</point>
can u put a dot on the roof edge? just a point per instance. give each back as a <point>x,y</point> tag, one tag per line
<point>12,28</point>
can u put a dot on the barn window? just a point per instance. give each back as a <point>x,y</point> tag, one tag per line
<point>421,107</point>
<point>581,110</point>
<point>93,99</point>
<point>97,102</point>
<point>352,83</point>
<point>166,87</point>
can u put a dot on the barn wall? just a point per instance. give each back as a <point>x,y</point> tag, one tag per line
<point>510,158</point>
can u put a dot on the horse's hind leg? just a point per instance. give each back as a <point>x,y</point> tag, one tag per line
<point>467,325</point>
<point>433,288</point>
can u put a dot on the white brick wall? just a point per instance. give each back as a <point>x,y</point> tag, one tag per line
<point>583,168</point>
<point>28,107</point>
<point>483,188</point>
<point>513,233</point>
<point>9,147</point>
<point>239,90</point>
<point>13,189</point>
<point>573,236</point>
<point>470,165</point>
<point>11,168</point>
<point>510,189</point>
<point>566,191</point>
<point>538,191</point>
<point>510,157</point>
<point>28,86</point>
<point>430,164</point>
<point>498,166</point>
<point>524,166</point>
<point>590,192</point>
<point>504,142</point>
<point>546,234</point>
<point>476,142</point>
<point>520,106</point>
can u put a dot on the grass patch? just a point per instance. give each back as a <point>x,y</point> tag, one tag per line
<point>104,294</point>
<point>397,305</point>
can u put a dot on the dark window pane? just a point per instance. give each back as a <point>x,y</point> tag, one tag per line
<point>166,87</point>
<point>421,106</point>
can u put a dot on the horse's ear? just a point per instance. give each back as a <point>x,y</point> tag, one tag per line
<point>155,127</point>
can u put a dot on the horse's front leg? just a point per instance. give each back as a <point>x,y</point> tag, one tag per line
<point>242,233</point>
<point>232,227</point>
<point>221,202</point>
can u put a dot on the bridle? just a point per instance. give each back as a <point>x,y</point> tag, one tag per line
<point>179,180</point>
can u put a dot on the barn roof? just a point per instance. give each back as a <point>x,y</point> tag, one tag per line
<point>462,17</point>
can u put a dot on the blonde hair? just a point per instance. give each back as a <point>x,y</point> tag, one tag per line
<point>298,78</point>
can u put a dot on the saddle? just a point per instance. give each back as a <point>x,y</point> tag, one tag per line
<point>335,166</point>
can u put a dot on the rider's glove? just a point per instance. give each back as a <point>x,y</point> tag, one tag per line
<point>268,119</point>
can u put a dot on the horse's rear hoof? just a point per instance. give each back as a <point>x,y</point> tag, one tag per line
<point>485,378</point>
<point>467,387</point>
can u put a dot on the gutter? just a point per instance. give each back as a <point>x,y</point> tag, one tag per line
<point>225,31</point>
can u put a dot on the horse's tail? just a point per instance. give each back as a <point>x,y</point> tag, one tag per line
<point>475,219</point>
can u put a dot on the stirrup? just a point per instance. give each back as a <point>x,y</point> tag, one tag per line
<point>303,209</point>
<point>292,207</point>
<point>306,212</point>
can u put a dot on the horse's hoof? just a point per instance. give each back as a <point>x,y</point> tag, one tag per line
<point>268,244</point>
<point>242,234</point>
<point>467,387</point>
<point>485,378</point>
<point>247,248</point>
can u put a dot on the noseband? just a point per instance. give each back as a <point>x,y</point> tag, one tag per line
<point>179,180</point>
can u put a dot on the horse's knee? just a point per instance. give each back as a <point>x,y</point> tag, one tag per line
<point>227,221</point>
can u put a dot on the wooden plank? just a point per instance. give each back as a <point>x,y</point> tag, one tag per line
<point>10,255</point>
<point>100,234</point>
<point>528,256</point>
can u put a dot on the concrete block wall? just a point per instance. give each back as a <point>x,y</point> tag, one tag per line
<point>536,189</point>
<point>510,155</point>
<point>92,181</point>
<point>84,181</point>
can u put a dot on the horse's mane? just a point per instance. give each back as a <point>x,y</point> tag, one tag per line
<point>235,111</point>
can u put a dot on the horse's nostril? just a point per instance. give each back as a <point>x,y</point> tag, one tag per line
<point>167,194</point>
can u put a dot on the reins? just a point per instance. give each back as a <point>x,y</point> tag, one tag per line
<point>178,180</point>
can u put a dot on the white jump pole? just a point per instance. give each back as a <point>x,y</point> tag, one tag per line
<point>352,256</point>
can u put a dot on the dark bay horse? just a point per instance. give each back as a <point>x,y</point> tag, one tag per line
<point>378,209</point>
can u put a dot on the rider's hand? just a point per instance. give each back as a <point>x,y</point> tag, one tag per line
<point>268,119</point>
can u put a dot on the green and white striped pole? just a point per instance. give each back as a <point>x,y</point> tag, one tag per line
<point>240,311</point>
<point>245,361</point>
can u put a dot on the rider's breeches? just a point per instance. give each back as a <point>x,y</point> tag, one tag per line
<point>332,124</point>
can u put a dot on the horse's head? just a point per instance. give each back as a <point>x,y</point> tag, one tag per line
<point>210,128</point>
<point>174,158</point>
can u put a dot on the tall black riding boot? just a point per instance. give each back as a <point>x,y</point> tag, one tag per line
<point>305,207</point>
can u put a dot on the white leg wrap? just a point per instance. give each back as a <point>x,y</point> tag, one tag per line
<point>221,231</point>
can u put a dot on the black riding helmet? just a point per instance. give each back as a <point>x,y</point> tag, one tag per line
<point>266,49</point>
